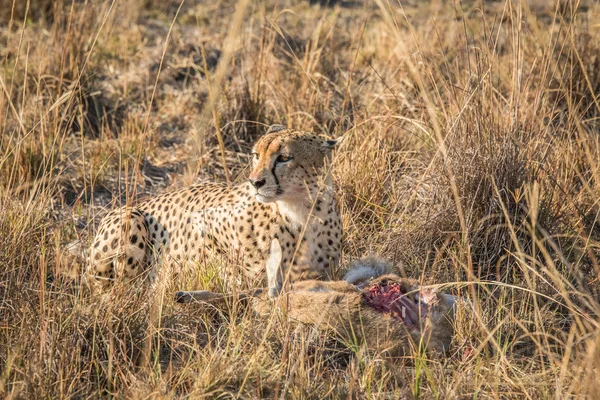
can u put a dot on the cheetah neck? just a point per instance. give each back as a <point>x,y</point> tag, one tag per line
<point>298,211</point>
<point>294,212</point>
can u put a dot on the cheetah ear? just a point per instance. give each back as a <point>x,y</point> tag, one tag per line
<point>332,144</point>
<point>275,128</point>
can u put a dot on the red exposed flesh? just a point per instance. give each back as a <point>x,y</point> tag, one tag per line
<point>390,299</point>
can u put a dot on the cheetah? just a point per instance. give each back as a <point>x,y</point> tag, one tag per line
<point>286,210</point>
<point>372,305</point>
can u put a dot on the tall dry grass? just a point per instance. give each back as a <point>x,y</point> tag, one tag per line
<point>471,160</point>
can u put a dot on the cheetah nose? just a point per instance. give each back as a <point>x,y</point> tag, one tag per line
<point>258,183</point>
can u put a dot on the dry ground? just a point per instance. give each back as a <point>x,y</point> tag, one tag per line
<point>472,158</point>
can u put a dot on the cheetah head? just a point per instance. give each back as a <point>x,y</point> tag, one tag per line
<point>288,163</point>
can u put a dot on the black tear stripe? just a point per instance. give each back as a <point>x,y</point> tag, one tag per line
<point>275,175</point>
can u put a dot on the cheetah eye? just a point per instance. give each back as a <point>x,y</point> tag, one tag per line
<point>283,158</point>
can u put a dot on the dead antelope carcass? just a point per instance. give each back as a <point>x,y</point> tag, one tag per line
<point>382,310</point>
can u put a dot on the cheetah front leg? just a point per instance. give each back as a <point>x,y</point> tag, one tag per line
<point>273,267</point>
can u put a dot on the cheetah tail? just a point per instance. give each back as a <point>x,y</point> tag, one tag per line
<point>204,296</point>
<point>364,269</point>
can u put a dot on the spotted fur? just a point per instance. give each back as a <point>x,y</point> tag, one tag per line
<point>288,199</point>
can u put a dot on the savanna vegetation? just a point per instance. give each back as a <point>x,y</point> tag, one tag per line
<point>471,160</point>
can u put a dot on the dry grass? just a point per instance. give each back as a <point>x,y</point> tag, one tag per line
<point>472,159</point>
